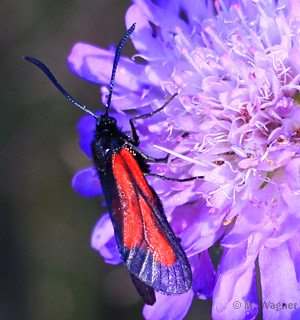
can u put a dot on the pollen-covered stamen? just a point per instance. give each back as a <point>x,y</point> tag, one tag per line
<point>185,52</point>
<point>241,15</point>
<point>213,35</point>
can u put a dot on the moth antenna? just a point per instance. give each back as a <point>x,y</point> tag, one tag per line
<point>116,61</point>
<point>50,75</point>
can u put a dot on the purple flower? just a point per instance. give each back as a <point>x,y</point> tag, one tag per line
<point>236,121</point>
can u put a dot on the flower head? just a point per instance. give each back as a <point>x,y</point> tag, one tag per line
<point>236,122</point>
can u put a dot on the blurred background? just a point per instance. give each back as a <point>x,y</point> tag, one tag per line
<point>48,269</point>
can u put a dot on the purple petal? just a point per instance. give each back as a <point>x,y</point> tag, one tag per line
<point>247,223</point>
<point>86,126</point>
<point>294,9</point>
<point>280,289</point>
<point>143,34</point>
<point>196,11</point>
<point>95,65</point>
<point>234,258</point>
<point>169,307</point>
<point>203,275</point>
<point>284,232</point>
<point>178,197</point>
<point>294,249</point>
<point>235,295</point>
<point>292,174</point>
<point>86,183</point>
<point>200,228</point>
<point>103,240</point>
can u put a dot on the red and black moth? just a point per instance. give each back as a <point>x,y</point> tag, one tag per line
<point>146,242</point>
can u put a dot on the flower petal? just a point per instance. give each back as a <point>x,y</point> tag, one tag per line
<point>294,250</point>
<point>203,275</point>
<point>169,307</point>
<point>103,240</point>
<point>203,229</point>
<point>292,170</point>
<point>86,127</point>
<point>235,295</point>
<point>86,183</point>
<point>95,64</point>
<point>280,289</point>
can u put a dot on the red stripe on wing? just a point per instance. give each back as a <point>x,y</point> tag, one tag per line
<point>160,248</point>
<point>139,221</point>
<point>132,224</point>
<point>137,172</point>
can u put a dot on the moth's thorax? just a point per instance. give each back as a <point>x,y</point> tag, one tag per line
<point>108,139</point>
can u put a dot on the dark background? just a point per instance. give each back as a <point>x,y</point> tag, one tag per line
<point>47,267</point>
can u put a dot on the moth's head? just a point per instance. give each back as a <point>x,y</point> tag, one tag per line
<point>105,123</point>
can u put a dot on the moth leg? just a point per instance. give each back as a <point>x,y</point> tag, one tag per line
<point>144,116</point>
<point>173,179</point>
